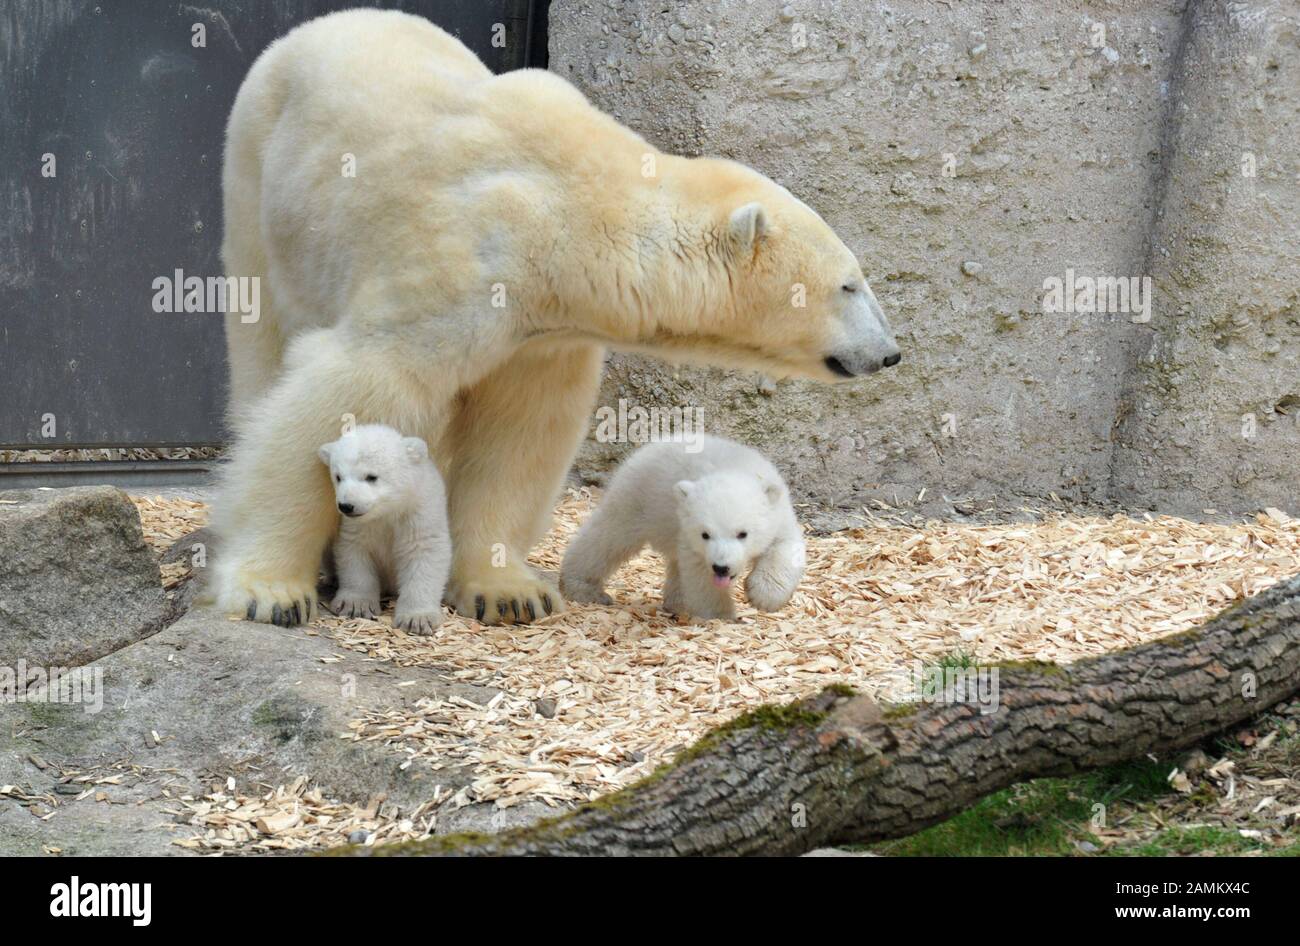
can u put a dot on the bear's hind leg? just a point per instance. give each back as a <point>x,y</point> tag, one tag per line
<point>506,455</point>
<point>275,512</point>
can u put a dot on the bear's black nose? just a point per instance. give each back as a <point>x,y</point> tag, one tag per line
<point>721,570</point>
<point>893,360</point>
<point>345,508</point>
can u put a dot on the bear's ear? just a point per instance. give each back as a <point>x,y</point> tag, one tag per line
<point>684,488</point>
<point>771,490</point>
<point>324,453</point>
<point>748,224</point>
<point>416,449</point>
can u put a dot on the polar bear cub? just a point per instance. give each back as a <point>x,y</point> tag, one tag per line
<point>393,537</point>
<point>712,508</point>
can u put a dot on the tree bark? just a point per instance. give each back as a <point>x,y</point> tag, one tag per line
<point>839,768</point>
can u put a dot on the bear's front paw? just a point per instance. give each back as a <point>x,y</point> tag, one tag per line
<point>504,596</point>
<point>352,604</point>
<point>418,622</point>
<point>283,603</point>
<point>767,592</point>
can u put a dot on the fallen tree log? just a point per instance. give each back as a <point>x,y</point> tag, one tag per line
<point>839,768</point>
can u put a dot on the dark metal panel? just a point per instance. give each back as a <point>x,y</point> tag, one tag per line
<point>134,116</point>
<point>128,474</point>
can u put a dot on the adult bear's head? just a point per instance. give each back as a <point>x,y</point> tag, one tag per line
<point>784,294</point>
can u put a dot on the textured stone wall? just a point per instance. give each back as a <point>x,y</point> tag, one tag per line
<point>1211,408</point>
<point>968,152</point>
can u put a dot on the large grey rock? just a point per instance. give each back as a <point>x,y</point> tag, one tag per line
<point>1069,127</point>
<point>227,698</point>
<point>77,579</point>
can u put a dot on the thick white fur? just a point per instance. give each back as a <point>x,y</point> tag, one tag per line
<point>670,498</point>
<point>498,233</point>
<point>393,537</point>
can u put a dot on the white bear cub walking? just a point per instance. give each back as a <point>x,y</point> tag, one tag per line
<point>711,514</point>
<point>394,536</point>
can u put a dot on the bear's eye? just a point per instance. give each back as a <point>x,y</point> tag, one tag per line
<point>337,478</point>
<point>742,535</point>
<point>372,478</point>
<point>849,288</point>
<point>704,536</point>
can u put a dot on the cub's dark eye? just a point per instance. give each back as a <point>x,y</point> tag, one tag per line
<point>372,478</point>
<point>337,478</point>
<point>742,535</point>
<point>704,536</point>
<point>847,288</point>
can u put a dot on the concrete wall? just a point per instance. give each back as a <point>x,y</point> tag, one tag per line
<point>1211,408</point>
<point>967,152</point>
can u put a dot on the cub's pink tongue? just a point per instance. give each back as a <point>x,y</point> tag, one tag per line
<point>722,581</point>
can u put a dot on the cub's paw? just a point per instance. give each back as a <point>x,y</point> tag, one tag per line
<point>768,592</point>
<point>504,596</point>
<point>418,622</point>
<point>352,604</point>
<point>583,592</point>
<point>283,603</point>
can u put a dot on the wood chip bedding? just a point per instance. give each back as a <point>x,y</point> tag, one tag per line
<point>596,697</point>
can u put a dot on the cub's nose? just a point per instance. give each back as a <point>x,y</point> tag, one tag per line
<point>721,570</point>
<point>893,360</point>
<point>345,508</point>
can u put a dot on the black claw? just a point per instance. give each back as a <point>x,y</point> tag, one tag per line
<point>514,606</point>
<point>480,606</point>
<point>277,616</point>
<point>293,615</point>
<point>252,611</point>
<point>532,613</point>
<point>546,603</point>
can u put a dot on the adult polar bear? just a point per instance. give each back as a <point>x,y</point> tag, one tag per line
<point>498,233</point>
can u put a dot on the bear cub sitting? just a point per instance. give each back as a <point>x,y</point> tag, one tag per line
<point>393,537</point>
<point>711,514</point>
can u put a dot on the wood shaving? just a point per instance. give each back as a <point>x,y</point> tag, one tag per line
<point>166,520</point>
<point>293,818</point>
